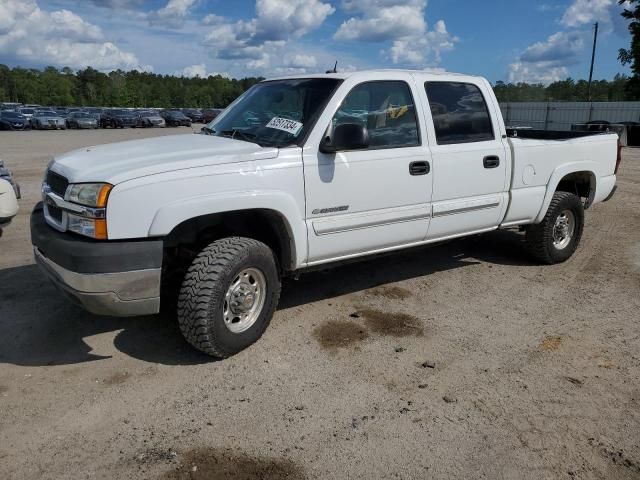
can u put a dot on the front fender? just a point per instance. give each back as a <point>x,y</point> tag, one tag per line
<point>171,215</point>
<point>557,176</point>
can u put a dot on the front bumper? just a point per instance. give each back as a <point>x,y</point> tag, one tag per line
<point>107,278</point>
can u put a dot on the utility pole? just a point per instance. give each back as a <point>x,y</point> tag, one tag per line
<point>593,58</point>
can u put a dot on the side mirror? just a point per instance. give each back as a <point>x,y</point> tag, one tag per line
<point>347,136</point>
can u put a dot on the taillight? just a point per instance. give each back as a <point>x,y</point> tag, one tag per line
<point>619,157</point>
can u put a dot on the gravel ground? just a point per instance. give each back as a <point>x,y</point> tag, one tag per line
<point>464,360</point>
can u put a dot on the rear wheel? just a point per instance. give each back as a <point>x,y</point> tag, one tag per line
<point>556,238</point>
<point>228,296</point>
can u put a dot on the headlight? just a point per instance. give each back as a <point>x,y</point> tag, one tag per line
<point>92,220</point>
<point>90,194</point>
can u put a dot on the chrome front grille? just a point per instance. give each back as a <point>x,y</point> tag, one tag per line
<point>57,183</point>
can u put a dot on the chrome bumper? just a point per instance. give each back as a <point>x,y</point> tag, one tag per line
<point>117,294</point>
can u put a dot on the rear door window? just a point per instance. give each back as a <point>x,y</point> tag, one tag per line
<point>460,113</point>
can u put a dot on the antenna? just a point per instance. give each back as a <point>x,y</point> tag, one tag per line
<point>335,68</point>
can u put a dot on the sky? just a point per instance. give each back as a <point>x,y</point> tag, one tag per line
<point>510,41</point>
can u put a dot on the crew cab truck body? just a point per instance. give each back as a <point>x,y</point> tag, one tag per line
<point>300,172</point>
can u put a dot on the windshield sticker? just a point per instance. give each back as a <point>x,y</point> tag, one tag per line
<point>286,125</point>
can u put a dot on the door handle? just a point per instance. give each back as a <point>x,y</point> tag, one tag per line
<point>419,168</point>
<point>491,161</point>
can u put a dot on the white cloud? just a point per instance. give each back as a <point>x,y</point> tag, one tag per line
<point>281,19</point>
<point>561,46</point>
<point>126,4</point>
<point>417,50</point>
<point>173,14</point>
<point>401,23</point>
<point>59,38</point>
<point>538,72</point>
<point>262,38</point>
<point>547,7</point>
<point>213,19</point>
<point>382,24</point>
<point>300,61</point>
<point>261,63</point>
<point>587,11</point>
<point>296,64</point>
<point>192,71</point>
<point>584,13</point>
<point>72,27</point>
<point>199,70</point>
<point>547,62</point>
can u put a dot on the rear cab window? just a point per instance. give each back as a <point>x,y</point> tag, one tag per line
<point>460,113</point>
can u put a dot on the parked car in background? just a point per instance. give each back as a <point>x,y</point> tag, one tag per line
<point>13,121</point>
<point>194,114</point>
<point>13,106</point>
<point>47,120</point>
<point>210,114</point>
<point>8,204</point>
<point>175,118</point>
<point>27,112</point>
<point>118,119</point>
<point>6,175</point>
<point>81,120</point>
<point>94,112</point>
<point>148,118</point>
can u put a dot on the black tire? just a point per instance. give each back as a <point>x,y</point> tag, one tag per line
<point>202,296</point>
<point>540,237</point>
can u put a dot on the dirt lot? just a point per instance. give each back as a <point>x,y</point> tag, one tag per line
<point>464,360</point>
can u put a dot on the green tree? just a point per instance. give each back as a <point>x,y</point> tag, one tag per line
<point>631,56</point>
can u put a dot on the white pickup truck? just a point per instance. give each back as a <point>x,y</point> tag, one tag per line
<point>300,172</point>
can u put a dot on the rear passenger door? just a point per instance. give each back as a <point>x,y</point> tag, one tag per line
<point>469,160</point>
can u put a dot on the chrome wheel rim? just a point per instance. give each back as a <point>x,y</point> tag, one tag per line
<point>244,300</point>
<point>563,229</point>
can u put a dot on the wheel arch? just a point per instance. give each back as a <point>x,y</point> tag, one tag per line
<point>578,178</point>
<point>265,225</point>
<point>273,211</point>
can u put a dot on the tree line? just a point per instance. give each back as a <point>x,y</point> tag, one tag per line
<point>89,87</point>
<point>568,90</point>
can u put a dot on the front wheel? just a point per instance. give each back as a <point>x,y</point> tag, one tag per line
<point>228,296</point>
<point>556,238</point>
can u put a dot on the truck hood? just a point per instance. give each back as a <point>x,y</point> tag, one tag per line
<point>118,162</point>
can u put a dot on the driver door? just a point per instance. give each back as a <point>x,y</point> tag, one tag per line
<point>373,199</point>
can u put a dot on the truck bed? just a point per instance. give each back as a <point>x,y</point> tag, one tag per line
<point>537,155</point>
<point>533,134</point>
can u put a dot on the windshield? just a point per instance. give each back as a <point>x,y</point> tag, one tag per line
<point>46,114</point>
<point>277,113</point>
<point>81,115</point>
<point>12,115</point>
<point>28,111</point>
